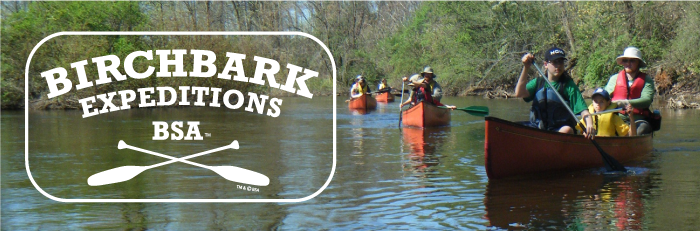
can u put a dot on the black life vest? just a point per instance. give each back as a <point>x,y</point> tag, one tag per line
<point>547,111</point>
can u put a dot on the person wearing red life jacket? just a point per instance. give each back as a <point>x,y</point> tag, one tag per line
<point>633,88</point>
<point>425,88</point>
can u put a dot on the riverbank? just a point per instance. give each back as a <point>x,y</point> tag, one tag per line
<point>672,100</point>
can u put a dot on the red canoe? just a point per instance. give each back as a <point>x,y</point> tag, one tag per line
<point>386,97</point>
<point>426,115</point>
<point>363,102</point>
<point>514,149</point>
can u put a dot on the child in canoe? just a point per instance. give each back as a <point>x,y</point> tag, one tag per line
<point>608,124</point>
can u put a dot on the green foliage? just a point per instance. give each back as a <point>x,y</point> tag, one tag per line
<point>683,55</point>
<point>480,43</point>
<point>470,45</point>
<point>22,30</point>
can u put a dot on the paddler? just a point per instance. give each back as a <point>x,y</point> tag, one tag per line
<point>359,88</point>
<point>383,85</point>
<point>633,87</point>
<point>425,88</point>
<point>547,111</point>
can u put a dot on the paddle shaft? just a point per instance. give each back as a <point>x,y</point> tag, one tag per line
<point>401,103</point>
<point>173,159</point>
<point>607,111</point>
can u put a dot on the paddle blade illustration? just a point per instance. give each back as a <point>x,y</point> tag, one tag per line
<point>241,175</point>
<point>115,175</point>
<point>234,144</point>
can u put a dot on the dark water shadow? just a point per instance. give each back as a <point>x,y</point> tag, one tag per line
<point>581,200</point>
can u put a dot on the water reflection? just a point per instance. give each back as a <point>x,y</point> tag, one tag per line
<point>359,111</point>
<point>574,201</point>
<point>423,144</point>
<point>386,178</point>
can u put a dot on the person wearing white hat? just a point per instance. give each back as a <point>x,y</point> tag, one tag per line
<point>426,86</point>
<point>633,89</point>
<point>410,80</point>
<point>359,88</point>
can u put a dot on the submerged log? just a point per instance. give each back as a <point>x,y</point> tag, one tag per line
<point>681,103</point>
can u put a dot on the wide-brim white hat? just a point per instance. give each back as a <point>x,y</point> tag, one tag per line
<point>632,52</point>
<point>414,78</point>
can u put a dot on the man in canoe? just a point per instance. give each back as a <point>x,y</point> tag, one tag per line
<point>608,124</point>
<point>548,112</point>
<point>383,85</point>
<point>359,88</point>
<point>423,89</point>
<point>633,87</point>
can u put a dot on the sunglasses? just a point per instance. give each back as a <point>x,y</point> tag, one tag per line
<point>559,62</point>
<point>628,60</point>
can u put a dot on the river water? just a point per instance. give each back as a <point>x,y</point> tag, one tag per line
<point>385,177</point>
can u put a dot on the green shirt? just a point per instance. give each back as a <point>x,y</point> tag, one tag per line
<point>576,102</point>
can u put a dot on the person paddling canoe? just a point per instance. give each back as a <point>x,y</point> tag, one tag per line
<point>359,88</point>
<point>548,112</point>
<point>631,86</point>
<point>608,124</point>
<point>383,85</point>
<point>423,89</point>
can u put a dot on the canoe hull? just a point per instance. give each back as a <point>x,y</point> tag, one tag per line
<point>385,97</point>
<point>514,149</point>
<point>426,115</point>
<point>363,102</point>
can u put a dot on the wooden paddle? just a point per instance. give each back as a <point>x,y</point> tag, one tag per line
<point>611,164</point>
<point>473,110</point>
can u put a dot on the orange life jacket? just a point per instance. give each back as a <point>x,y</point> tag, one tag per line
<point>624,91</point>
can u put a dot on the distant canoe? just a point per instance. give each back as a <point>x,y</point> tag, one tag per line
<point>386,97</point>
<point>426,115</point>
<point>514,149</point>
<point>363,102</point>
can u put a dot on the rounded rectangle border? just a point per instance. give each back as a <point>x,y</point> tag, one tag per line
<point>136,33</point>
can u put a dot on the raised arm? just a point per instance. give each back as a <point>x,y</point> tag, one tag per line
<point>520,89</point>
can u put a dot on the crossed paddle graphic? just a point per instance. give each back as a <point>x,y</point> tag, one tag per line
<point>124,173</point>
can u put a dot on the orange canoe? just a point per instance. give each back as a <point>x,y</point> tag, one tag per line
<point>363,102</point>
<point>514,149</point>
<point>386,97</point>
<point>426,115</point>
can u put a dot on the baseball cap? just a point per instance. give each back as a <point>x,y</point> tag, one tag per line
<point>602,92</point>
<point>554,53</point>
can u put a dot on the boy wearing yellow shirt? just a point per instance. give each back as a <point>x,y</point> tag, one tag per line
<point>608,124</point>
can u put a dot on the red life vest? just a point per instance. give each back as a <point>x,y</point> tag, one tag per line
<point>624,91</point>
<point>423,94</point>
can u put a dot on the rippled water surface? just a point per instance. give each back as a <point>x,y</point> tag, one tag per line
<point>385,178</point>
